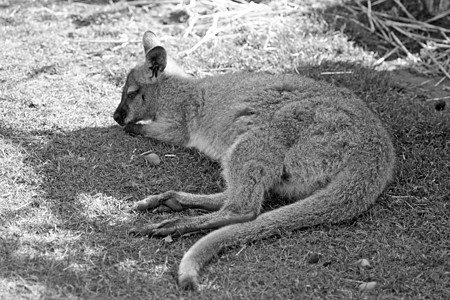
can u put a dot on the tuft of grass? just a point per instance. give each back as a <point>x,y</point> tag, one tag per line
<point>68,174</point>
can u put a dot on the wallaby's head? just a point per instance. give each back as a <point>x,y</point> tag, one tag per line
<point>141,87</point>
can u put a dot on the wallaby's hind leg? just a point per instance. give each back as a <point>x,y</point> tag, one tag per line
<point>246,189</point>
<point>182,225</point>
<point>249,176</point>
<point>177,201</point>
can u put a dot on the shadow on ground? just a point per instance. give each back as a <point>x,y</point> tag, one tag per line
<point>72,236</point>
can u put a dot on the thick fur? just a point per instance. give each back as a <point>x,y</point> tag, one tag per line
<point>286,136</point>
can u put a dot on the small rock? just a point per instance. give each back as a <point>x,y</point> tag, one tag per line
<point>440,105</point>
<point>326,264</point>
<point>367,286</point>
<point>153,159</point>
<point>168,239</point>
<point>313,258</point>
<point>363,263</point>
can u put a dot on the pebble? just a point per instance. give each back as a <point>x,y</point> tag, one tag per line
<point>153,159</point>
<point>363,263</point>
<point>367,286</point>
<point>313,258</point>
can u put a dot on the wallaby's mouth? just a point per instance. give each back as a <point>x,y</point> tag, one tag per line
<point>144,122</point>
<point>132,122</point>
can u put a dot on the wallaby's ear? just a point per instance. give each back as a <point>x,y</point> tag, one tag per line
<point>156,59</point>
<point>150,41</point>
<point>155,54</point>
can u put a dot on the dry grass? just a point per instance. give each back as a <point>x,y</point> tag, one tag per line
<point>68,174</point>
<point>416,35</point>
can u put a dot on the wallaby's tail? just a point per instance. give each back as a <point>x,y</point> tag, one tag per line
<point>344,198</point>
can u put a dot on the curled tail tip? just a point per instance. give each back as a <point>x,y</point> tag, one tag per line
<point>188,282</point>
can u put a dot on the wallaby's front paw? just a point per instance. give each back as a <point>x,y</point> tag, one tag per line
<point>164,202</point>
<point>133,129</point>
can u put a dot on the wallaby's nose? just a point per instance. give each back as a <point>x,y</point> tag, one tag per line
<point>119,117</point>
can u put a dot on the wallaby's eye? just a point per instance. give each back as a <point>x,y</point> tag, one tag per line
<point>133,94</point>
<point>143,98</point>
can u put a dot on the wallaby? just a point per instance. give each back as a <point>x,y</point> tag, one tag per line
<point>286,136</point>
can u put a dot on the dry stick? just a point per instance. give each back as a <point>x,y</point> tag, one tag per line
<point>378,2</point>
<point>409,25</point>
<point>397,40</point>
<point>416,36</point>
<point>404,9</point>
<point>440,98</point>
<point>108,41</point>
<point>407,33</point>
<point>22,206</point>
<point>212,31</point>
<point>425,82</point>
<point>439,45</point>
<point>439,65</point>
<point>391,41</point>
<point>336,73</point>
<point>368,29</point>
<point>382,28</point>
<point>387,55</point>
<point>445,36</point>
<point>230,15</point>
<point>352,280</point>
<point>435,61</point>
<point>369,15</point>
<point>422,25</point>
<point>350,9</point>
<point>440,81</point>
<point>149,2</point>
<point>242,249</point>
<point>403,27</point>
<point>439,16</point>
<point>192,22</point>
<point>237,13</point>
<point>409,21</point>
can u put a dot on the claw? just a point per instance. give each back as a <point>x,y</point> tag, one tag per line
<point>162,209</point>
<point>140,206</point>
<point>165,232</point>
<point>160,203</point>
<point>152,231</point>
<point>164,228</point>
<point>134,232</point>
<point>173,204</point>
<point>144,230</point>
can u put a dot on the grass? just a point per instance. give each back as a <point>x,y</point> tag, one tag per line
<point>69,174</point>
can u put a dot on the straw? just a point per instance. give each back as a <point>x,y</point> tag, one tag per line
<point>398,31</point>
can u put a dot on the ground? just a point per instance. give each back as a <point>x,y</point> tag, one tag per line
<point>69,174</point>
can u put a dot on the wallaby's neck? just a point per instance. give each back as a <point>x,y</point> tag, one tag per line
<point>183,101</point>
